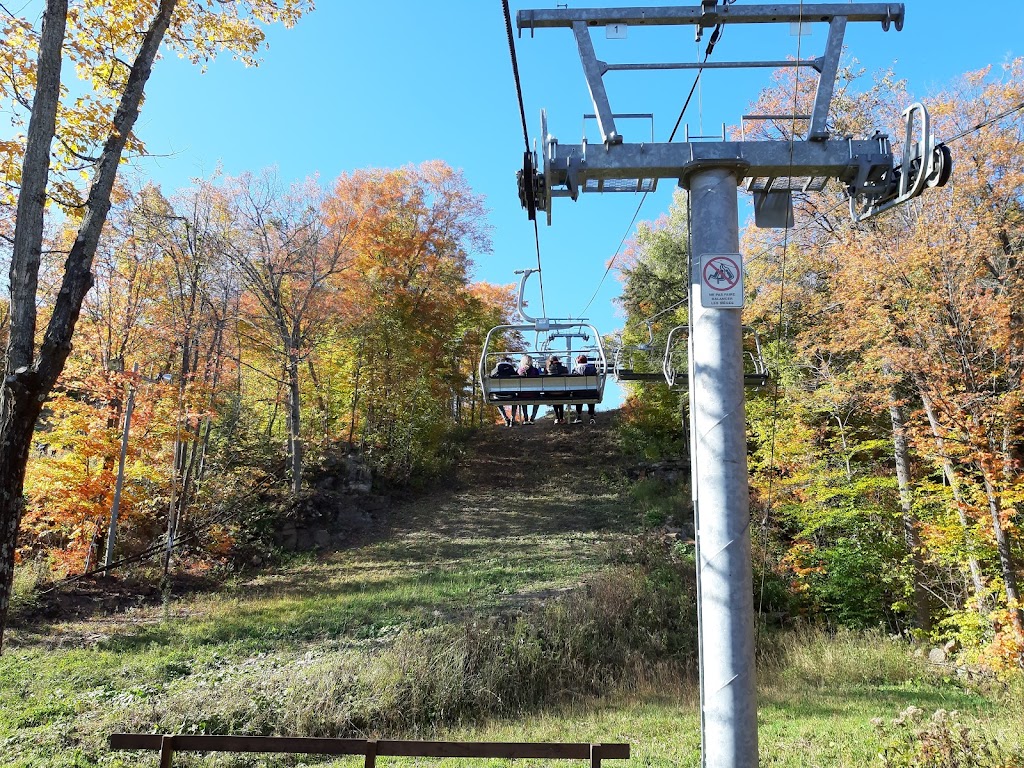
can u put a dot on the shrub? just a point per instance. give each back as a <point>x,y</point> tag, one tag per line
<point>662,502</point>
<point>630,627</point>
<point>940,741</point>
<point>651,425</point>
<point>989,639</point>
<point>29,577</point>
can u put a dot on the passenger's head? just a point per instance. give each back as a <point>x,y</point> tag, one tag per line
<point>554,359</point>
<point>581,359</point>
<point>525,361</point>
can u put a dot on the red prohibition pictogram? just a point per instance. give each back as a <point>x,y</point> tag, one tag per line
<point>721,273</point>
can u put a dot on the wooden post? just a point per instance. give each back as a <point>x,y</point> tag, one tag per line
<point>166,750</point>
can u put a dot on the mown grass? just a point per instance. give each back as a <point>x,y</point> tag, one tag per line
<point>818,693</point>
<point>469,622</point>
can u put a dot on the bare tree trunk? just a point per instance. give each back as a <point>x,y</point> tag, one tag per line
<point>213,380</point>
<point>188,477</point>
<point>1006,564</point>
<point>294,423</point>
<point>19,407</point>
<point>961,505</point>
<point>473,394</point>
<point>172,506</point>
<point>901,450</point>
<point>29,378</point>
<point>355,395</point>
<point>321,401</point>
<point>272,419</point>
<point>177,457</point>
<point>28,230</point>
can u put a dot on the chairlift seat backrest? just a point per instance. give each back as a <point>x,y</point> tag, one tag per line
<point>535,388</point>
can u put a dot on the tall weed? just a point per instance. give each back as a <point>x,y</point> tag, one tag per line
<point>29,578</point>
<point>828,659</point>
<point>629,625</point>
<point>617,630</point>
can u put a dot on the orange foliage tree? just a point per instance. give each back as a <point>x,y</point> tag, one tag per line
<point>916,313</point>
<point>418,322</point>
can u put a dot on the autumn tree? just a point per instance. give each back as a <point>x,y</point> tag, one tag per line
<point>486,306</point>
<point>290,259</point>
<point>113,47</point>
<point>947,287</point>
<point>415,232</point>
<point>918,308</point>
<point>188,323</point>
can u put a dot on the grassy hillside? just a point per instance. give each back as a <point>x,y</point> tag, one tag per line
<point>522,602</point>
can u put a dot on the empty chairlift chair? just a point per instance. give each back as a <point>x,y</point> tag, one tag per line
<point>675,365</point>
<point>638,362</point>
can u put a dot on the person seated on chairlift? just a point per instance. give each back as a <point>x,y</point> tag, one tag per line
<point>555,368</point>
<point>506,369</point>
<point>584,367</point>
<point>528,370</point>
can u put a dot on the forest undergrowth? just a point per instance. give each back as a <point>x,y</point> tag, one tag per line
<point>531,599</point>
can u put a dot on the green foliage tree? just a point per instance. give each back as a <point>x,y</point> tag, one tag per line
<point>655,287</point>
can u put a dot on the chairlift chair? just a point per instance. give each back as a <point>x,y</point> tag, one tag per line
<point>633,362</point>
<point>579,337</point>
<point>675,364</point>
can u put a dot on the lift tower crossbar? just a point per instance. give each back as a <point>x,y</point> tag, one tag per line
<point>708,15</point>
<point>712,171</point>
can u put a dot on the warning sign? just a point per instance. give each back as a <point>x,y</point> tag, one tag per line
<point>721,281</point>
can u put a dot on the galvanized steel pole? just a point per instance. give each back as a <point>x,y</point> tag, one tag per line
<point>712,171</point>
<point>721,506</point>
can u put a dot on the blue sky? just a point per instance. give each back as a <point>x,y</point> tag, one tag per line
<point>358,85</point>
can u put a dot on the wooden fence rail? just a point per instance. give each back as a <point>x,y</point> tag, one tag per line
<point>167,745</point>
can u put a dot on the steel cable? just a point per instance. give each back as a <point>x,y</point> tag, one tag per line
<point>526,140</point>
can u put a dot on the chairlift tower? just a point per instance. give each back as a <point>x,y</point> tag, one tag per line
<point>712,171</point>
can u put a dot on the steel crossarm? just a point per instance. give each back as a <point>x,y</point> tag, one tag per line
<point>837,15</point>
<point>771,13</point>
<point>574,165</point>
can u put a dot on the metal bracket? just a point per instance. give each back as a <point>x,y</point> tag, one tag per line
<point>594,71</point>
<point>540,324</point>
<point>827,79</point>
<point>925,164</point>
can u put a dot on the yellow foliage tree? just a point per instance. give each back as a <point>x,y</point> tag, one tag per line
<point>81,135</point>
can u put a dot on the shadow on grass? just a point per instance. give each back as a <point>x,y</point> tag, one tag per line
<point>519,513</point>
<point>447,557</point>
<point>299,612</point>
<point>862,702</point>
